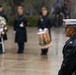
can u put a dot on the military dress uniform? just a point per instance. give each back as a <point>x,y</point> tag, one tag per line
<point>20,24</point>
<point>45,22</point>
<point>69,57</point>
<point>68,66</point>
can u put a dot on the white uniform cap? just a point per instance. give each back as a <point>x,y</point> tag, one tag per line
<point>69,21</point>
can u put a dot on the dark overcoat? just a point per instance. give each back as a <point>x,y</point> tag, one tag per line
<point>69,57</point>
<point>45,22</point>
<point>21,33</point>
<point>2,14</point>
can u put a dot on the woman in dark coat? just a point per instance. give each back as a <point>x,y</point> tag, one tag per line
<point>44,22</point>
<point>2,14</point>
<point>20,24</point>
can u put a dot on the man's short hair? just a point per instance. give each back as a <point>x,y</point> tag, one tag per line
<point>21,4</point>
<point>74,27</point>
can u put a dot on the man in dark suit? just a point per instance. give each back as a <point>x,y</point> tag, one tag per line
<point>68,66</point>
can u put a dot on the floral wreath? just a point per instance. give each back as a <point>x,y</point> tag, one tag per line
<point>3,27</point>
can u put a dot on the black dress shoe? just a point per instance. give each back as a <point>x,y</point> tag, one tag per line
<point>43,53</point>
<point>20,52</point>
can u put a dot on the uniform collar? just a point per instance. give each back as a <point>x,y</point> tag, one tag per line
<point>44,16</point>
<point>20,15</point>
<point>73,37</point>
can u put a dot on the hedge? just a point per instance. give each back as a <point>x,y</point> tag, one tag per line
<point>11,21</point>
<point>32,20</point>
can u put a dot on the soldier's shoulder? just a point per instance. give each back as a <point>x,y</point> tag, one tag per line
<point>4,13</point>
<point>40,18</point>
<point>24,16</point>
<point>48,18</point>
<point>74,42</point>
<point>16,17</point>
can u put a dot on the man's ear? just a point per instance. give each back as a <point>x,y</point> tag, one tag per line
<point>73,30</point>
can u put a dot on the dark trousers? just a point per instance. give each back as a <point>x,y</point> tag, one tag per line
<point>20,47</point>
<point>44,51</point>
<point>1,51</point>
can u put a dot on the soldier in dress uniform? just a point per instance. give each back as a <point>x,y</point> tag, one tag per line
<point>68,66</point>
<point>43,23</point>
<point>2,14</point>
<point>20,24</point>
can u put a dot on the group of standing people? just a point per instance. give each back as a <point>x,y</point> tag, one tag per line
<point>61,13</point>
<point>21,22</point>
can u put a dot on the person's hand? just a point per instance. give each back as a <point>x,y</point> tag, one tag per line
<point>21,25</point>
<point>45,29</point>
<point>40,30</point>
<point>14,31</point>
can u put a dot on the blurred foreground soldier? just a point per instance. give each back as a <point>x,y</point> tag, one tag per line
<point>68,66</point>
<point>2,14</point>
<point>20,24</point>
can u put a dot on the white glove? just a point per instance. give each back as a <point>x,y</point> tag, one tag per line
<point>14,31</point>
<point>21,25</point>
<point>45,29</point>
<point>40,30</point>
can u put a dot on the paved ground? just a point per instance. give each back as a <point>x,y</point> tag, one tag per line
<point>31,62</point>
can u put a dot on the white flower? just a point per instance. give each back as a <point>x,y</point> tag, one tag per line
<point>2,20</point>
<point>5,28</point>
<point>1,29</point>
<point>3,33</point>
<point>2,25</point>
